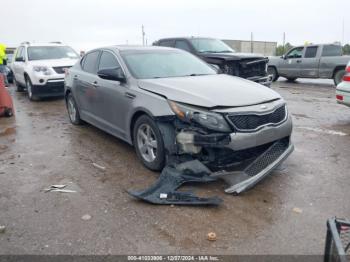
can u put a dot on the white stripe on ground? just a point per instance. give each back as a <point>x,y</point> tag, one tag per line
<point>323,131</point>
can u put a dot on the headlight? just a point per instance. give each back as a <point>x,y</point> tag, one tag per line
<point>44,69</point>
<point>206,119</point>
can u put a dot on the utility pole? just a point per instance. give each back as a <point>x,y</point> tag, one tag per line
<point>284,42</point>
<point>143,35</point>
<point>342,36</point>
<point>251,42</point>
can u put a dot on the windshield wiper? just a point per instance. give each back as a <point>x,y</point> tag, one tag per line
<point>197,75</point>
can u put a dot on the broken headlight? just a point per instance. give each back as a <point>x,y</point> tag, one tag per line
<point>210,120</point>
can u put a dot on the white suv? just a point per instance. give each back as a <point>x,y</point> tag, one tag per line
<point>343,89</point>
<point>40,68</point>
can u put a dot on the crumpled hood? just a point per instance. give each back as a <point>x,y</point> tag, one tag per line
<point>210,90</point>
<point>54,62</point>
<point>233,56</point>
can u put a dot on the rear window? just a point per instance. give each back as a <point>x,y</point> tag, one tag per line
<point>311,52</point>
<point>332,50</point>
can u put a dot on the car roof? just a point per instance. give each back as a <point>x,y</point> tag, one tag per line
<point>185,37</point>
<point>135,48</point>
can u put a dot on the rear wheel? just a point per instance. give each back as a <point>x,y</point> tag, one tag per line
<point>8,112</point>
<point>148,142</point>
<point>272,71</point>
<point>338,76</point>
<point>19,88</point>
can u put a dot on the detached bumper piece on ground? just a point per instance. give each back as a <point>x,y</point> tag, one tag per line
<point>6,104</point>
<point>172,177</point>
<point>337,247</point>
<point>163,192</point>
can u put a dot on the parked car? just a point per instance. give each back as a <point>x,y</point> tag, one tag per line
<point>311,61</point>
<point>167,102</point>
<point>40,68</point>
<point>343,89</point>
<point>6,71</point>
<point>8,64</point>
<point>215,52</point>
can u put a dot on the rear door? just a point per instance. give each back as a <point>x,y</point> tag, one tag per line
<point>86,87</point>
<point>18,67</point>
<point>309,63</point>
<point>113,101</point>
<point>290,65</point>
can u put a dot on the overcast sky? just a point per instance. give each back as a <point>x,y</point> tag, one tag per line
<point>86,24</point>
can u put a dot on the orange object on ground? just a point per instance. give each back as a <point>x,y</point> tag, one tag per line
<point>6,104</point>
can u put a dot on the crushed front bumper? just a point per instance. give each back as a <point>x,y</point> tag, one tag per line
<point>262,166</point>
<point>265,80</point>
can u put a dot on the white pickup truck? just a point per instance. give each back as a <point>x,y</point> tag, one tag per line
<point>311,61</point>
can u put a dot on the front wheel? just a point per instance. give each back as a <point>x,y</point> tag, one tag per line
<point>29,89</point>
<point>148,142</point>
<point>73,111</point>
<point>338,76</point>
<point>272,71</point>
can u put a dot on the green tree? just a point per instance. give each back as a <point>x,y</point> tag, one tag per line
<point>280,50</point>
<point>346,49</point>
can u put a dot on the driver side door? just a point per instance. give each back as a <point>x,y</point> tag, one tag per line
<point>290,64</point>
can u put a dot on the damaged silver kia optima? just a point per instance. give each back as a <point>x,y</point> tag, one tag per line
<point>175,108</point>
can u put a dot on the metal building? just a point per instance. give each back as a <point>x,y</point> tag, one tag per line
<point>247,46</point>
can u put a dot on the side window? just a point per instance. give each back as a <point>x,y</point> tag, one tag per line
<point>295,53</point>
<point>168,43</point>
<point>181,44</point>
<point>311,52</point>
<point>332,50</point>
<point>89,63</point>
<point>108,60</point>
<point>19,52</point>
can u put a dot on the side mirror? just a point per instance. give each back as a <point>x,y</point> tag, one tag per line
<point>19,59</point>
<point>115,74</point>
<point>283,57</point>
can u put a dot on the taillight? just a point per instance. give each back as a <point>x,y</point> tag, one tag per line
<point>346,77</point>
<point>339,97</point>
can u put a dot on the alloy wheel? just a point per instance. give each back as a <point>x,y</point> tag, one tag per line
<point>72,111</point>
<point>147,142</point>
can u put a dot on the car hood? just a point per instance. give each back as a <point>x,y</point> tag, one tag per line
<point>210,90</point>
<point>54,62</point>
<point>232,56</point>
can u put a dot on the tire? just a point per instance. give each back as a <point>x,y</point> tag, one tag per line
<point>338,76</point>
<point>8,112</point>
<point>148,143</point>
<point>73,111</point>
<point>19,88</point>
<point>272,71</point>
<point>291,79</point>
<point>29,89</point>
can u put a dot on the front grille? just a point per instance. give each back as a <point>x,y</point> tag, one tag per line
<point>250,122</point>
<point>61,69</point>
<point>268,157</point>
<point>247,70</point>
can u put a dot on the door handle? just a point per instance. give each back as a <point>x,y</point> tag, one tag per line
<point>298,61</point>
<point>129,95</point>
<point>94,84</point>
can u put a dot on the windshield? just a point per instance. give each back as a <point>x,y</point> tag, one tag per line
<point>51,52</point>
<point>210,46</point>
<point>164,63</point>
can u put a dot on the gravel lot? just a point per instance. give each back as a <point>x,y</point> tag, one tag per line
<point>39,147</point>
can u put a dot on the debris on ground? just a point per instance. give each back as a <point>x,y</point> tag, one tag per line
<point>99,166</point>
<point>211,236</point>
<point>2,229</point>
<point>297,210</point>
<point>86,217</point>
<point>59,188</point>
<point>163,191</point>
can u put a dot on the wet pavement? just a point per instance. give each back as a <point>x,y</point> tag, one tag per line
<point>285,214</point>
